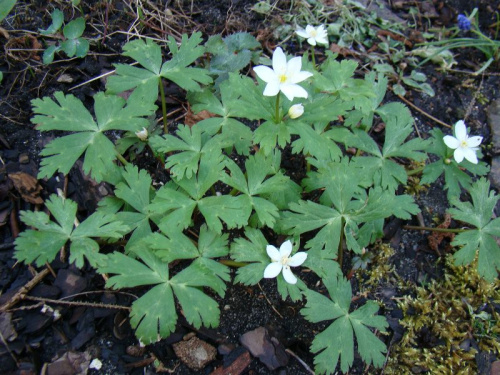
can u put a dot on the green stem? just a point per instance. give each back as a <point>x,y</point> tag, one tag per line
<point>444,230</point>
<point>277,118</point>
<point>341,243</point>
<point>313,57</point>
<point>232,263</point>
<point>163,107</point>
<point>121,158</point>
<point>415,171</point>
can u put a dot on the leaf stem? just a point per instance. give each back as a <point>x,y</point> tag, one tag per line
<point>341,243</point>
<point>121,158</point>
<point>163,106</point>
<point>313,57</point>
<point>277,118</point>
<point>232,263</point>
<point>444,230</point>
<point>415,171</point>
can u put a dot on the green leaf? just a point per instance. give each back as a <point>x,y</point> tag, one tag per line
<point>384,171</point>
<point>69,114</point>
<point>269,134</point>
<point>455,174</point>
<point>154,316</point>
<point>258,167</point>
<point>337,340</point>
<point>42,245</point>
<point>148,54</point>
<point>5,7</point>
<point>483,239</point>
<point>57,21</point>
<point>194,145</point>
<point>252,251</point>
<point>74,29</point>
<point>176,69</point>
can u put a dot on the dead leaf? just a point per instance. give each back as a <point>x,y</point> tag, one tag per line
<point>4,33</point>
<point>27,186</point>
<point>192,118</point>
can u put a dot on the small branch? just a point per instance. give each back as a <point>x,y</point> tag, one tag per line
<point>423,112</point>
<point>25,289</point>
<point>308,369</point>
<point>444,230</point>
<point>232,263</point>
<point>77,303</point>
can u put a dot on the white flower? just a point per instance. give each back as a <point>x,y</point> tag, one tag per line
<point>281,261</point>
<point>142,135</point>
<point>284,76</point>
<point>314,35</point>
<point>296,110</point>
<point>465,146</point>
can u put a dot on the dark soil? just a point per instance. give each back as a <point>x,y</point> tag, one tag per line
<point>105,333</point>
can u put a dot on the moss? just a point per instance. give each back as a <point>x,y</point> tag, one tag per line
<point>442,318</point>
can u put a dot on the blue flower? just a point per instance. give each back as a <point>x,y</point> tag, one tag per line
<point>463,22</point>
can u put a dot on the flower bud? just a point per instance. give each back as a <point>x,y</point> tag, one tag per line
<point>296,110</point>
<point>142,135</point>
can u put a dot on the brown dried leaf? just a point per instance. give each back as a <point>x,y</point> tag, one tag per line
<point>436,238</point>
<point>192,118</point>
<point>27,186</point>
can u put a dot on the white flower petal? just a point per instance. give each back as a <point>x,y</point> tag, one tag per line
<point>286,249</point>
<point>300,76</point>
<point>289,276</point>
<point>310,29</point>
<point>302,33</point>
<point>322,40</point>
<point>272,89</point>
<point>451,141</point>
<point>279,61</point>
<point>273,253</point>
<point>292,91</point>
<point>460,130</point>
<point>265,73</point>
<point>458,155</point>
<point>297,259</point>
<point>293,67</point>
<point>470,155</point>
<point>474,141</point>
<point>272,270</point>
<point>311,41</point>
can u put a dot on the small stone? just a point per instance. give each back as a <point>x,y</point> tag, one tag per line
<point>65,78</point>
<point>493,115</point>
<point>24,158</point>
<point>194,353</point>
<point>494,175</point>
<point>268,349</point>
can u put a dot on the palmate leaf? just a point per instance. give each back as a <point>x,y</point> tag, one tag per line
<point>154,315</point>
<point>255,185</point>
<point>42,245</point>
<point>228,108</point>
<point>384,171</point>
<point>193,144</point>
<point>337,340</point>
<point>176,205</point>
<point>344,201</point>
<point>455,174</point>
<point>148,54</point>
<point>68,113</point>
<point>253,251</point>
<point>483,239</point>
<point>135,193</point>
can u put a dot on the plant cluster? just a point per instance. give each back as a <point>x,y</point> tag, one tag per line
<point>318,112</point>
<point>447,322</point>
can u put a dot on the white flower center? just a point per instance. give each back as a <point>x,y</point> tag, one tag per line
<point>282,78</point>
<point>463,144</point>
<point>313,33</point>
<point>284,260</point>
